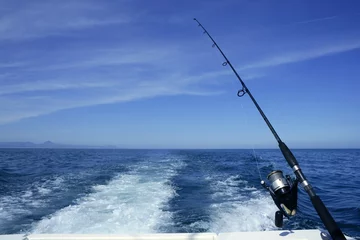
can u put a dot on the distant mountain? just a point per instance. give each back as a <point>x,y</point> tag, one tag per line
<point>47,144</point>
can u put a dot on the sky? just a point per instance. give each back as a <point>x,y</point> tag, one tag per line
<point>141,74</point>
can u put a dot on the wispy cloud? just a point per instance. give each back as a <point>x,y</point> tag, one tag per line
<point>53,86</point>
<point>33,20</point>
<point>135,75</point>
<point>317,20</point>
<point>307,54</point>
<point>37,97</point>
<point>12,64</point>
<point>40,79</point>
<point>85,94</point>
<point>110,57</point>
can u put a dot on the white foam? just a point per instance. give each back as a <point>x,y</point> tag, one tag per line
<point>200,225</point>
<point>46,187</point>
<point>130,203</point>
<point>23,203</point>
<point>9,209</point>
<point>44,191</point>
<point>20,204</point>
<point>27,194</point>
<point>241,208</point>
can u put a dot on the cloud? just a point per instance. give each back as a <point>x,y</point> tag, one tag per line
<point>52,86</point>
<point>307,54</point>
<point>109,57</point>
<point>65,78</point>
<point>34,19</point>
<point>148,77</point>
<point>81,81</point>
<point>24,106</point>
<point>317,20</point>
<point>12,64</point>
<point>39,79</point>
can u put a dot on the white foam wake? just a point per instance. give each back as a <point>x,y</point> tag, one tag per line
<point>240,208</point>
<point>22,203</point>
<point>130,203</point>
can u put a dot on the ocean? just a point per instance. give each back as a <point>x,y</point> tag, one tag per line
<point>166,191</point>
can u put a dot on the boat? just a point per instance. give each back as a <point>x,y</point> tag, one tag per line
<point>314,234</point>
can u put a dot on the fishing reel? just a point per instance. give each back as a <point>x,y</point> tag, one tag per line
<point>283,191</point>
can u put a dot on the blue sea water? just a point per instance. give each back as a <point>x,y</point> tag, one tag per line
<point>149,191</point>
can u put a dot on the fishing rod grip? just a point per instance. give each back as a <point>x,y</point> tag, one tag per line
<point>327,219</point>
<point>290,158</point>
<point>319,206</point>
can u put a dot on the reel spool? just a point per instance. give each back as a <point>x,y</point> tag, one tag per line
<point>283,191</point>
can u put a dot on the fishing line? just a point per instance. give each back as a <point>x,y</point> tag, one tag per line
<point>252,145</point>
<point>257,165</point>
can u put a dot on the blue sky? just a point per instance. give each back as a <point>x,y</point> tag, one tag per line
<point>140,74</point>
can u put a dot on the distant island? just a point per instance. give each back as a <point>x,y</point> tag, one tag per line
<point>47,144</point>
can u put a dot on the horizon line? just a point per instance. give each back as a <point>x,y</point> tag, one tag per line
<point>119,148</point>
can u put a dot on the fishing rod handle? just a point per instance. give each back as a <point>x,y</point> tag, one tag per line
<point>327,219</point>
<point>318,204</point>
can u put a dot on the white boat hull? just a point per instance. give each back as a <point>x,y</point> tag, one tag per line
<point>263,235</point>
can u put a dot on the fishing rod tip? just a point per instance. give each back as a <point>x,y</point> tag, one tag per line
<point>195,19</point>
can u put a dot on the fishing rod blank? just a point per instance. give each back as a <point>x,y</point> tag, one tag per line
<point>319,206</point>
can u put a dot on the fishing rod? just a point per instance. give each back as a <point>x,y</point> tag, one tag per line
<point>284,190</point>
